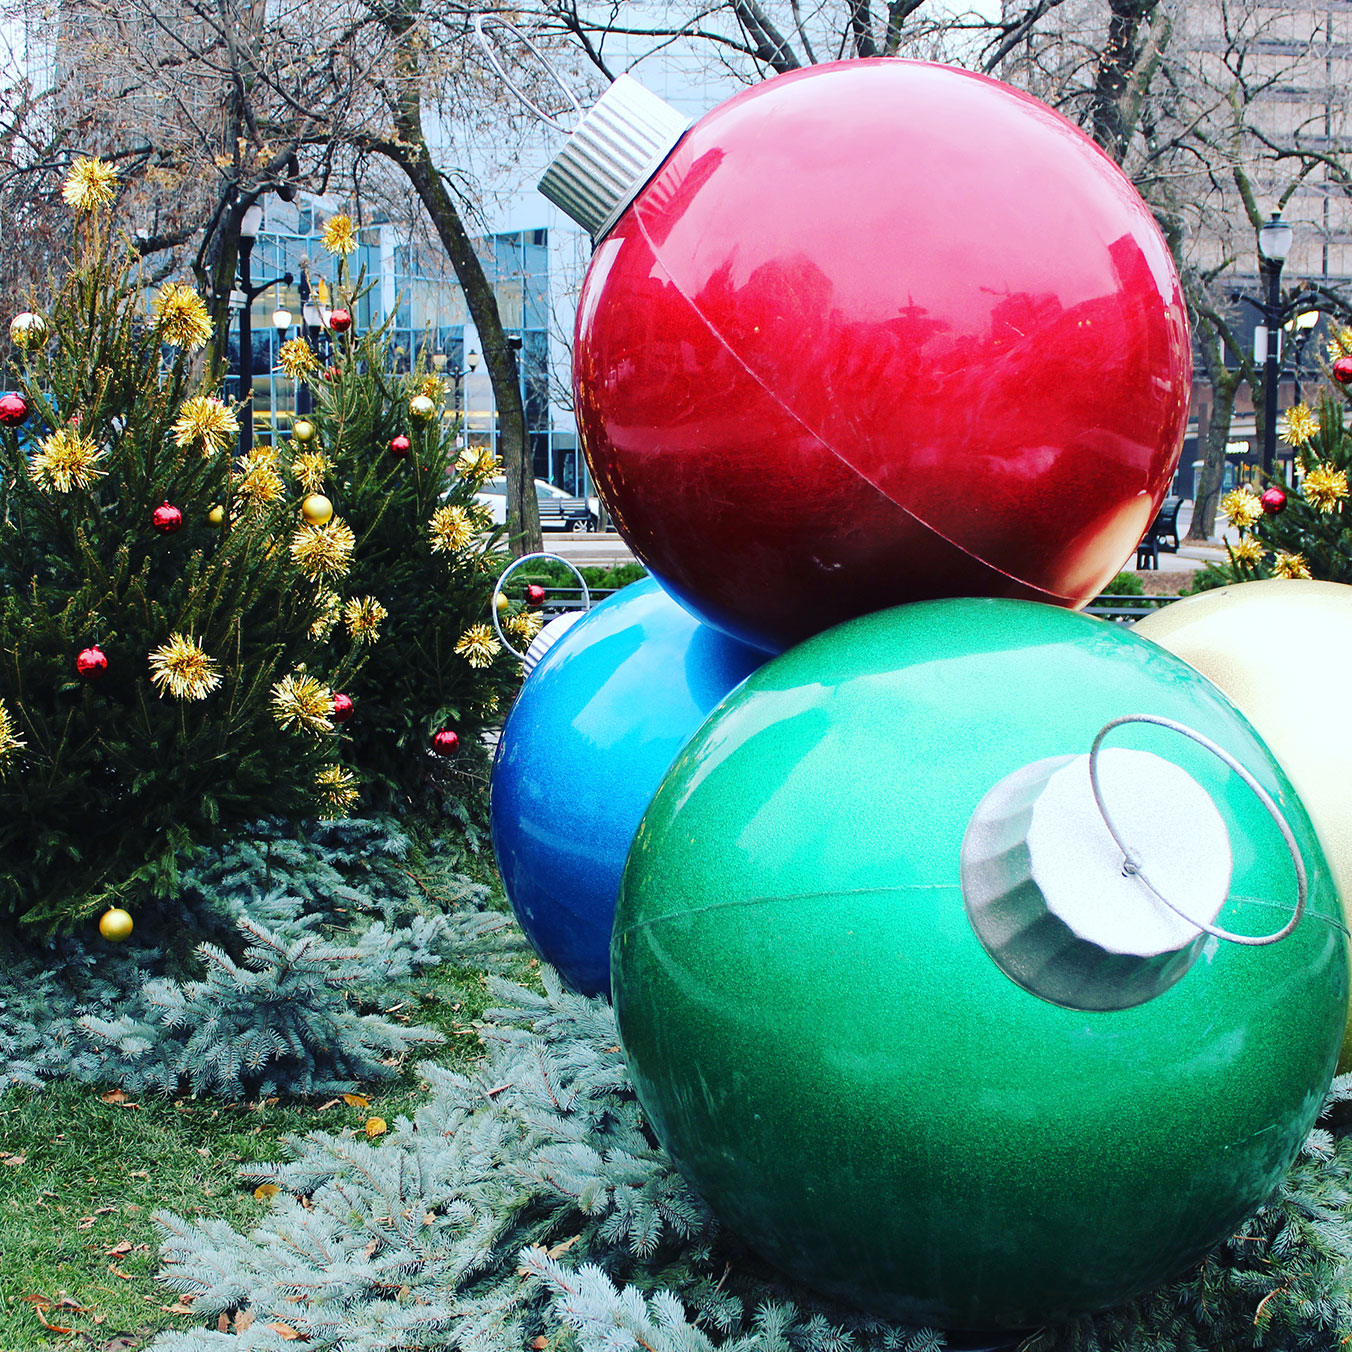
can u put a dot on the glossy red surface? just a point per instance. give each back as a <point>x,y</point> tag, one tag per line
<point>880,331</point>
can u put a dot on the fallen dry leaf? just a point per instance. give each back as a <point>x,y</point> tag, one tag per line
<point>13,1161</point>
<point>375,1126</point>
<point>540,1343</point>
<point>121,1098</point>
<point>564,1247</point>
<point>264,1191</point>
<point>105,1210</point>
<point>118,1249</point>
<point>178,1307</point>
<point>70,1303</point>
<point>38,1299</point>
<point>243,1319</point>
<point>222,1322</point>
<point>356,1100</point>
<point>85,1223</point>
<point>117,1272</point>
<point>139,1173</point>
<point>284,1331</point>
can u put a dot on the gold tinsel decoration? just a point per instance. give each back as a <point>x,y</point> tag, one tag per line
<point>323,552</point>
<point>309,469</point>
<point>362,616</point>
<point>181,666</point>
<point>1248,551</point>
<point>1340,343</point>
<point>477,465</point>
<point>259,486</point>
<point>339,235</point>
<point>432,387</point>
<point>1242,507</point>
<point>10,741</point>
<point>302,702</point>
<point>450,529</point>
<point>329,610</point>
<point>1301,424</point>
<point>1291,566</point>
<point>67,459</point>
<point>90,184</point>
<point>1325,487</point>
<point>524,624</point>
<point>297,359</point>
<point>206,421</point>
<point>478,646</point>
<point>337,790</point>
<point>181,317</point>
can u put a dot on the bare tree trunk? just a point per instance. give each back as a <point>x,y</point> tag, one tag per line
<point>1207,492</point>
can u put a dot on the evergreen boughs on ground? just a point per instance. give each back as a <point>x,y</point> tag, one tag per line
<point>265,975</point>
<point>528,1201</point>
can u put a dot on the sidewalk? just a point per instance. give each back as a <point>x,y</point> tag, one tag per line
<point>1190,557</point>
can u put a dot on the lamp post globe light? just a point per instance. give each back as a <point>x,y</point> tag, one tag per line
<point>1274,244</point>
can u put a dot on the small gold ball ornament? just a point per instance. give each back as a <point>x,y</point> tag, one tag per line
<point>501,601</point>
<point>115,925</point>
<point>421,406</point>
<point>316,509</point>
<point>29,330</point>
<point>216,516</point>
<point>303,430</point>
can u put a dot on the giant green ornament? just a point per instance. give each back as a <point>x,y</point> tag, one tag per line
<point>874,1095</point>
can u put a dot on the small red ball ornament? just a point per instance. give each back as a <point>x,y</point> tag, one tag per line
<point>13,410</point>
<point>166,518</point>
<point>332,373</point>
<point>535,595</point>
<point>91,663</point>
<point>1273,500</point>
<point>399,447</point>
<point>445,742</point>
<point>340,320</point>
<point>1342,370</point>
<point>342,707</point>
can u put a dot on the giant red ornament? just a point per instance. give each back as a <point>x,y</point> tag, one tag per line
<point>166,518</point>
<point>878,331</point>
<point>91,663</point>
<point>445,742</point>
<point>13,410</point>
<point>340,320</point>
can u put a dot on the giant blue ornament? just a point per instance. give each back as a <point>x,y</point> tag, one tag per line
<point>902,1039</point>
<point>594,729</point>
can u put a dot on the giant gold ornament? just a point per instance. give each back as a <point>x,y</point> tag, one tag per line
<point>115,924</point>
<point>29,330</point>
<point>316,509</point>
<point>1270,645</point>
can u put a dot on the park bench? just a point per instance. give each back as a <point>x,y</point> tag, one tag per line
<point>565,514</point>
<point>1162,535</point>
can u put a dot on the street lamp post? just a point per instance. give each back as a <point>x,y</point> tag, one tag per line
<point>1274,243</point>
<point>248,292</point>
<point>471,365</point>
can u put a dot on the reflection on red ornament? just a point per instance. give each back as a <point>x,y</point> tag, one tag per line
<point>166,518</point>
<point>1273,500</point>
<point>445,742</point>
<point>399,447</point>
<point>340,320</point>
<point>91,663</point>
<point>535,595</point>
<point>1342,370</point>
<point>13,410</point>
<point>342,707</point>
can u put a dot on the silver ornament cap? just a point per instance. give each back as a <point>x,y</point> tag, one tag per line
<point>617,147</point>
<point>1048,894</point>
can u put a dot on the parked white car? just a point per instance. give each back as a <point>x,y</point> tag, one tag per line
<point>558,510</point>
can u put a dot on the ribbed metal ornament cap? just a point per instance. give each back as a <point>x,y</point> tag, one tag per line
<point>616,148</point>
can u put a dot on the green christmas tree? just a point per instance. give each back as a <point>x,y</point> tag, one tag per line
<point>162,675</point>
<point>1303,530</point>
<point>381,450</point>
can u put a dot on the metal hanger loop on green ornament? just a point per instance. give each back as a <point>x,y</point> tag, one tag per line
<point>1131,866</point>
<point>502,582</point>
<point>484,21</point>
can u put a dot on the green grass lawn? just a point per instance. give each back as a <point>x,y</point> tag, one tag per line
<point>80,1176</point>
